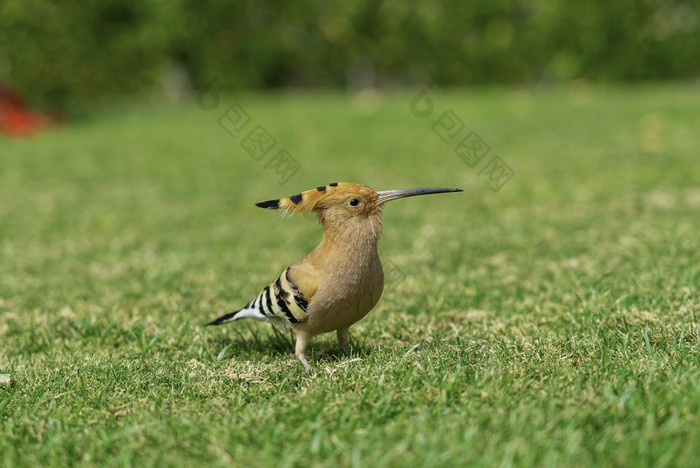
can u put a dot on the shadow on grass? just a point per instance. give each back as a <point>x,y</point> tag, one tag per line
<point>259,343</point>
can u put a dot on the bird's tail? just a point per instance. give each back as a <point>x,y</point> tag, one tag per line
<point>249,311</point>
<point>230,317</point>
<point>279,303</point>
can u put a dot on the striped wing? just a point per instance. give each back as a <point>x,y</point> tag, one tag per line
<point>282,302</point>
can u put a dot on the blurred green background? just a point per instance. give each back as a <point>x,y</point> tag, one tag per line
<point>71,53</point>
<point>553,322</point>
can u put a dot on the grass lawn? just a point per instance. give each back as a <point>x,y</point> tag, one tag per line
<point>551,322</point>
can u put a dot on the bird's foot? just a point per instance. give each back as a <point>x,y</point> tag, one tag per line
<point>303,360</point>
<point>344,341</point>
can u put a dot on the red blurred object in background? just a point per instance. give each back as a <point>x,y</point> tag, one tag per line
<point>17,120</point>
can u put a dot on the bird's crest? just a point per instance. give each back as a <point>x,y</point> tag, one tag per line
<point>316,200</point>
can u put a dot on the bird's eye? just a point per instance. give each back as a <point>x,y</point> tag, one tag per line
<point>354,202</point>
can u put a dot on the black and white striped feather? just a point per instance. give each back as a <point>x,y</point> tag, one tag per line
<point>280,303</point>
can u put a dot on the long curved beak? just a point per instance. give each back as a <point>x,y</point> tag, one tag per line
<point>388,195</point>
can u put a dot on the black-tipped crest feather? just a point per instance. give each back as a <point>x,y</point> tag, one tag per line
<point>270,204</point>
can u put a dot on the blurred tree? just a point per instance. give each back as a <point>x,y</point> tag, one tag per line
<point>75,52</point>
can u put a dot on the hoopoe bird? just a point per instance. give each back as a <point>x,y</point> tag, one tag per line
<point>341,280</point>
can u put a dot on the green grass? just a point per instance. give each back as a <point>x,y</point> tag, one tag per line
<point>553,322</point>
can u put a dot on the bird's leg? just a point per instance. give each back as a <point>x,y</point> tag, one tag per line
<point>300,349</point>
<point>344,341</point>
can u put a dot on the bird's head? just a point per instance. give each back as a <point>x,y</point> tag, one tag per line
<point>344,202</point>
